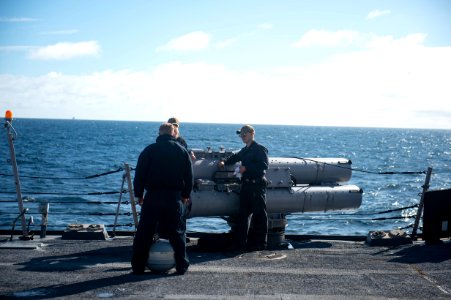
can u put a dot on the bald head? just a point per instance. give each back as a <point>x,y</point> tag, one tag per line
<point>167,128</point>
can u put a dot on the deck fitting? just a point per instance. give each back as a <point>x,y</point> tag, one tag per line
<point>85,232</point>
<point>388,238</point>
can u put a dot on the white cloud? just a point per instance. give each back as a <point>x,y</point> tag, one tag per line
<point>323,38</point>
<point>410,40</point>
<point>229,42</point>
<point>16,48</point>
<point>192,41</point>
<point>377,13</point>
<point>61,32</point>
<point>62,51</point>
<point>226,43</point>
<point>17,20</point>
<point>265,26</point>
<point>398,84</point>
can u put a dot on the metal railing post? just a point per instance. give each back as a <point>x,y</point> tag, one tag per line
<point>132,196</point>
<point>421,204</point>
<point>8,126</point>
<point>119,204</point>
<point>44,210</point>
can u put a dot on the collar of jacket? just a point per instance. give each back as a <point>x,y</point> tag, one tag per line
<point>251,144</point>
<point>165,138</point>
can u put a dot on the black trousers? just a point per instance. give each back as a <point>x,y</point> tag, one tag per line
<point>252,201</point>
<point>162,212</point>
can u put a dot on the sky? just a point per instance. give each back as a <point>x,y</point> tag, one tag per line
<point>367,63</point>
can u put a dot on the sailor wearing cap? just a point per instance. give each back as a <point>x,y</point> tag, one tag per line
<point>175,122</point>
<point>254,163</point>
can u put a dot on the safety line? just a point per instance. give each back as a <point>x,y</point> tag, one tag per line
<point>381,212</point>
<point>360,170</point>
<point>82,213</point>
<point>59,226</point>
<point>66,202</point>
<point>354,219</point>
<point>69,194</point>
<point>67,178</point>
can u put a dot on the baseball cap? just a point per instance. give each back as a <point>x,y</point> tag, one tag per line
<point>245,129</point>
<point>174,121</point>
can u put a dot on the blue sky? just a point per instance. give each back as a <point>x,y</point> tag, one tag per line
<point>327,63</point>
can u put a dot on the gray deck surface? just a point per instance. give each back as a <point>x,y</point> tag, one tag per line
<point>314,269</point>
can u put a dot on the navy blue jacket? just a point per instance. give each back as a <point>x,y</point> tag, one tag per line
<point>182,142</point>
<point>164,165</point>
<point>254,158</point>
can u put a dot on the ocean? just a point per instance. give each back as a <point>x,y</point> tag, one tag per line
<point>54,157</point>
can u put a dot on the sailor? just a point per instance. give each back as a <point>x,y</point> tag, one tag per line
<point>164,171</point>
<point>254,163</point>
<point>175,122</point>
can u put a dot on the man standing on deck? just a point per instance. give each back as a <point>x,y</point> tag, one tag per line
<point>165,172</point>
<point>254,163</point>
<point>175,122</point>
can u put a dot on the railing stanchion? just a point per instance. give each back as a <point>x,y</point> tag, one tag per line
<point>421,204</point>
<point>119,204</point>
<point>8,126</point>
<point>44,210</point>
<point>132,196</point>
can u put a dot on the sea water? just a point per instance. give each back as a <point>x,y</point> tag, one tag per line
<point>55,156</point>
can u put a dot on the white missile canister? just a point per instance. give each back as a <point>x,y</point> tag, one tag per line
<point>161,256</point>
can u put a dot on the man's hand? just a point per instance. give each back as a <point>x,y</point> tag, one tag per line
<point>242,169</point>
<point>193,156</point>
<point>141,201</point>
<point>185,200</point>
<point>221,164</point>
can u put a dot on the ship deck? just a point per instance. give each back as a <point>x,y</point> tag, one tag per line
<point>315,268</point>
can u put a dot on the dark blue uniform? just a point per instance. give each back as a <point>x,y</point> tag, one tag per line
<point>252,194</point>
<point>182,142</point>
<point>164,170</point>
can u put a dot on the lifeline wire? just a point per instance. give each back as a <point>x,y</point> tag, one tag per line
<point>355,219</point>
<point>69,178</point>
<point>360,170</point>
<point>88,214</point>
<point>68,202</point>
<point>300,158</point>
<point>106,225</point>
<point>69,194</point>
<point>380,212</point>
